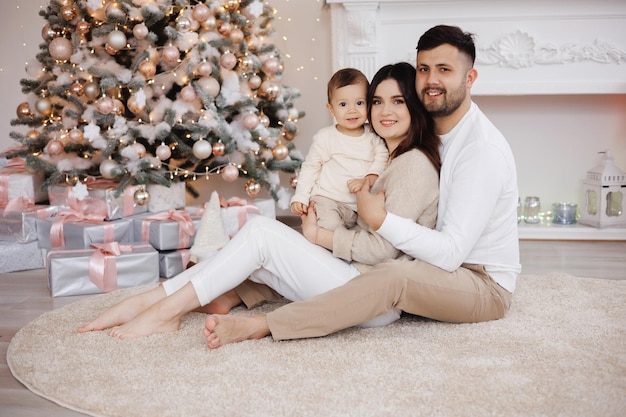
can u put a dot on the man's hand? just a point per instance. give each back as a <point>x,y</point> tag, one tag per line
<point>371,207</point>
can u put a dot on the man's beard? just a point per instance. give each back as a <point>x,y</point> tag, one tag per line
<point>451,101</point>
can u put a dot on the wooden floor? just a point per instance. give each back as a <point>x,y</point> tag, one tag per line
<point>24,296</point>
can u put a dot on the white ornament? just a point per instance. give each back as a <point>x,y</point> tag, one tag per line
<point>202,149</point>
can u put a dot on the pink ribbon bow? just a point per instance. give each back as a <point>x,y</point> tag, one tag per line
<point>244,209</point>
<point>103,264</point>
<point>14,166</point>
<point>18,204</point>
<point>186,229</point>
<point>57,238</point>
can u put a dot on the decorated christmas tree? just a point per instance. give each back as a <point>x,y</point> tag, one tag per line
<point>158,91</point>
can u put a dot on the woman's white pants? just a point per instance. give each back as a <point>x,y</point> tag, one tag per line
<point>271,253</point>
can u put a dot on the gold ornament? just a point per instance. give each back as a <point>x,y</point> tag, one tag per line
<point>83,27</point>
<point>75,135</point>
<point>77,89</point>
<point>92,90</point>
<point>252,188</point>
<point>47,33</point>
<point>269,90</point>
<point>33,134</point>
<point>254,82</point>
<point>69,12</point>
<point>23,110</point>
<point>44,106</point>
<point>280,151</point>
<point>231,5</point>
<point>141,196</point>
<point>236,35</point>
<point>219,149</point>
<point>60,49</point>
<point>133,106</point>
<point>147,69</point>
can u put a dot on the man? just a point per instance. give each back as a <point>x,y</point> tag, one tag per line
<point>466,268</point>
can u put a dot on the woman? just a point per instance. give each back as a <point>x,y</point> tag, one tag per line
<point>271,253</point>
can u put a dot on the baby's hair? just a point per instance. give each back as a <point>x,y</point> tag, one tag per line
<point>344,77</point>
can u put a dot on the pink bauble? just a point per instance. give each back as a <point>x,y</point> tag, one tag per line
<point>43,106</point>
<point>280,152</point>
<point>200,12</point>
<point>133,106</point>
<point>140,31</point>
<point>250,121</point>
<point>54,147</point>
<point>230,173</point>
<point>147,69</point>
<point>228,60</point>
<point>254,82</point>
<point>105,105</point>
<point>163,152</point>
<point>271,66</point>
<point>264,120</point>
<point>60,49</point>
<point>188,93</point>
<point>139,148</point>
<point>224,28</point>
<point>75,135</point>
<point>210,86</point>
<point>204,69</point>
<point>236,35</point>
<point>92,90</point>
<point>170,54</point>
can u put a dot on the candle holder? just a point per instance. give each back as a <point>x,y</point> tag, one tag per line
<point>564,213</point>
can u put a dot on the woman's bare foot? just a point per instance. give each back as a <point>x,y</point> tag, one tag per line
<point>161,317</point>
<point>124,311</point>
<point>221,330</point>
<point>222,304</point>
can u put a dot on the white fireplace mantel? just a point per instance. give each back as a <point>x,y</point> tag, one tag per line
<point>529,47</point>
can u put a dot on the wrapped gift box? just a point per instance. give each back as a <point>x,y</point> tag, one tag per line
<point>237,212</point>
<point>103,199</point>
<point>61,232</point>
<point>164,198</point>
<point>16,256</point>
<point>172,263</point>
<point>21,226</point>
<point>93,271</point>
<point>16,183</point>
<point>167,230</point>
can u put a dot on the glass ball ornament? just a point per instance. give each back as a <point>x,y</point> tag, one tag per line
<point>188,94</point>
<point>54,147</point>
<point>69,12</point>
<point>246,63</point>
<point>210,86</point>
<point>264,120</point>
<point>204,69</point>
<point>250,121</point>
<point>269,90</point>
<point>230,173</point>
<point>139,148</point>
<point>116,39</point>
<point>280,151</point>
<point>271,66</point>
<point>75,135</point>
<point>224,28</point>
<point>200,12</point>
<point>60,48</point>
<point>140,31</point>
<point>147,69</point>
<point>236,35</point>
<point>83,27</point>
<point>92,90</point>
<point>77,88</point>
<point>183,24</point>
<point>202,149</point>
<point>104,105</point>
<point>252,188</point>
<point>254,81</point>
<point>293,182</point>
<point>23,110</point>
<point>48,33</point>
<point>253,43</point>
<point>118,107</point>
<point>210,23</point>
<point>33,134</point>
<point>228,60</point>
<point>218,148</point>
<point>133,105</point>
<point>231,5</point>
<point>163,152</point>
<point>43,106</point>
<point>141,196</point>
<point>114,11</point>
<point>109,168</point>
<point>170,54</point>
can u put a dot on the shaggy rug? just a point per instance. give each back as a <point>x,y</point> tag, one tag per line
<point>561,351</point>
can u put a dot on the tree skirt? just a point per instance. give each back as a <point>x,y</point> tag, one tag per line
<point>561,350</point>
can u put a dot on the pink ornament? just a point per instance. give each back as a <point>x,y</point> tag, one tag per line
<point>271,66</point>
<point>210,86</point>
<point>60,49</point>
<point>228,60</point>
<point>254,82</point>
<point>204,69</point>
<point>139,148</point>
<point>134,106</point>
<point>188,93</point>
<point>76,135</point>
<point>105,105</point>
<point>250,121</point>
<point>200,12</point>
<point>163,152</point>
<point>170,54</point>
<point>230,173</point>
<point>140,31</point>
<point>54,147</point>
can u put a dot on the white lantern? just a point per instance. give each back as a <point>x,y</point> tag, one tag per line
<point>603,195</point>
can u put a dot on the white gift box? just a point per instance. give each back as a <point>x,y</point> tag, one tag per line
<point>164,198</point>
<point>16,185</point>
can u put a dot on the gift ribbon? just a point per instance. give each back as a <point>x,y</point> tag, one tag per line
<point>244,209</point>
<point>57,238</point>
<point>186,228</point>
<point>185,256</point>
<point>103,265</point>
<point>13,166</point>
<point>18,204</point>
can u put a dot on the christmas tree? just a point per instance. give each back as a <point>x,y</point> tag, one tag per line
<point>158,91</point>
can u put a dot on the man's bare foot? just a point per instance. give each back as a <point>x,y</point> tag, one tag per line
<point>161,317</point>
<point>222,304</point>
<point>221,330</point>
<point>124,311</point>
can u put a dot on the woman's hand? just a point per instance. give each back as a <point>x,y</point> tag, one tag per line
<point>309,223</point>
<point>371,207</point>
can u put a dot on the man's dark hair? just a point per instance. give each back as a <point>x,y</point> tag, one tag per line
<point>452,35</point>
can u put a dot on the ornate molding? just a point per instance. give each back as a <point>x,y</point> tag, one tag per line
<point>520,50</point>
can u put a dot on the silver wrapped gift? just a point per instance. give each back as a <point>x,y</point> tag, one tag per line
<point>167,230</point>
<point>21,226</point>
<point>103,199</point>
<point>16,256</point>
<point>90,271</point>
<point>59,232</point>
<point>172,263</point>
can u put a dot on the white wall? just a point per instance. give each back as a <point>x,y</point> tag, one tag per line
<point>555,138</point>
